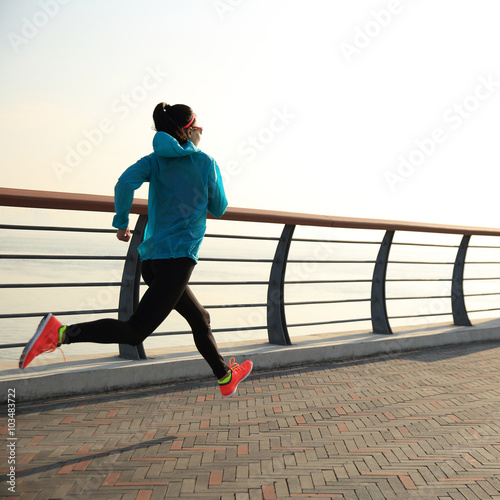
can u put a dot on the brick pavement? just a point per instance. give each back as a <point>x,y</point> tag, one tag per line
<point>419,425</point>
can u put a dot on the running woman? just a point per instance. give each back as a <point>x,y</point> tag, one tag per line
<point>184,183</point>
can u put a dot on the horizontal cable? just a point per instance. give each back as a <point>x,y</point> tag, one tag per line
<point>57,313</point>
<point>230,283</point>
<point>485,310</point>
<point>242,237</point>
<point>421,315</point>
<point>216,330</point>
<point>316,302</point>
<point>61,257</point>
<point>419,298</point>
<point>419,262</point>
<point>291,261</point>
<point>217,283</point>
<point>316,323</point>
<point>166,334</point>
<point>57,285</point>
<point>478,279</point>
<point>11,346</point>
<point>232,306</point>
<point>313,282</point>
<point>402,280</point>
<point>424,245</point>
<point>239,329</point>
<point>226,259</point>
<point>354,242</point>
<point>57,228</point>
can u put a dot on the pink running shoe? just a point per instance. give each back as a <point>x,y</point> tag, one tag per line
<point>238,374</point>
<point>45,339</point>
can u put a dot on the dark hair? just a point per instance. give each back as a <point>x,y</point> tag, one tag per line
<point>171,119</point>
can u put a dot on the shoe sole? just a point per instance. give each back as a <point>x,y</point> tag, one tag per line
<point>35,337</point>
<point>236,388</point>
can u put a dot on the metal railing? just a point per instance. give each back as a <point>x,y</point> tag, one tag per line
<point>376,281</point>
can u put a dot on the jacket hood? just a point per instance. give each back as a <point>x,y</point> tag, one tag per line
<point>165,145</point>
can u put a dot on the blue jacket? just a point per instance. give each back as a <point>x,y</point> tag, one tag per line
<point>184,183</point>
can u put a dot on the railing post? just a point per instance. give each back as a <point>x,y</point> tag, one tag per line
<point>380,319</point>
<point>129,291</point>
<point>276,319</point>
<point>458,308</point>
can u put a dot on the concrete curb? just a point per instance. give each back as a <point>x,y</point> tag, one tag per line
<point>102,374</point>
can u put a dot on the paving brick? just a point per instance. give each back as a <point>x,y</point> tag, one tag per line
<point>415,425</point>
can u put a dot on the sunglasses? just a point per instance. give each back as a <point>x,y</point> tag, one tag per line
<point>197,128</point>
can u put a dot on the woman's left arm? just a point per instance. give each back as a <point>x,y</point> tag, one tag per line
<point>217,201</point>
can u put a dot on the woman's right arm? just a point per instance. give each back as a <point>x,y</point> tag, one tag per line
<point>129,181</point>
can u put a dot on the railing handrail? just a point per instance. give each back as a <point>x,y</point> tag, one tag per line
<point>27,198</point>
<point>276,321</point>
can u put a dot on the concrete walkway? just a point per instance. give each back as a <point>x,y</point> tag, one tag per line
<point>415,420</point>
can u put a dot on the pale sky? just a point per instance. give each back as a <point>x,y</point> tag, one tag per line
<point>382,109</point>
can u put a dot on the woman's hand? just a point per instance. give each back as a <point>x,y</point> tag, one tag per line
<point>123,234</point>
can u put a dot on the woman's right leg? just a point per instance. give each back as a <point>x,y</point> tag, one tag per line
<point>199,321</point>
<point>167,279</point>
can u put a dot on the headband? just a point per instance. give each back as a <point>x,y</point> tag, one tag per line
<point>190,123</point>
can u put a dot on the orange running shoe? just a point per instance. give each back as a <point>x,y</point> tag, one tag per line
<point>46,339</point>
<point>238,373</point>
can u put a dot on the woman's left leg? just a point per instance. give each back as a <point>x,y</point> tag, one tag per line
<point>166,280</point>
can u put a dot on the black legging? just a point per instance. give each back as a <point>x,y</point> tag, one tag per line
<point>167,280</point>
